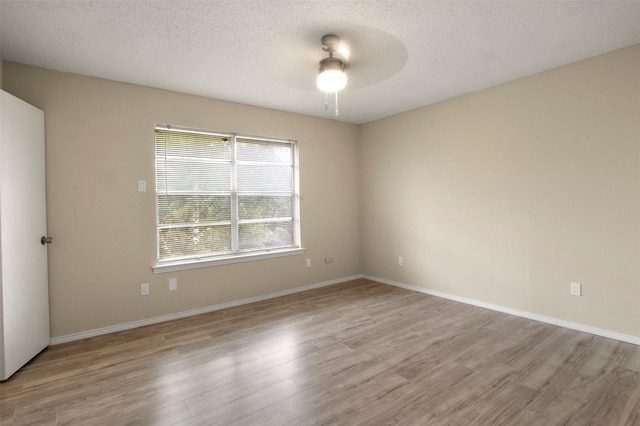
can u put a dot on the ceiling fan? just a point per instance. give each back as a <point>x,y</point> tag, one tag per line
<point>331,75</point>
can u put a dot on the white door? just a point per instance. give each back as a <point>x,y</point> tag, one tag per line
<point>24,306</point>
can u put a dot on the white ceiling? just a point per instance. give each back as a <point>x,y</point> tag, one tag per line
<point>404,54</point>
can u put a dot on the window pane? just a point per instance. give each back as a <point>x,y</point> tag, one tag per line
<point>264,178</point>
<point>256,236</point>
<point>193,145</point>
<point>261,207</point>
<point>192,176</point>
<point>223,194</point>
<point>263,151</point>
<point>193,208</point>
<point>179,242</point>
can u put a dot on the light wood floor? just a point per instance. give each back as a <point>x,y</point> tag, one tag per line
<point>358,353</point>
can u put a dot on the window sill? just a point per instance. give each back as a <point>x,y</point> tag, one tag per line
<point>205,263</point>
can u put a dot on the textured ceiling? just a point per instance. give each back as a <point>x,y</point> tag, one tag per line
<point>404,54</point>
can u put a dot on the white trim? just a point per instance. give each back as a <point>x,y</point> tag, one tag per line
<point>192,312</point>
<point>223,260</point>
<point>519,313</point>
<point>524,314</point>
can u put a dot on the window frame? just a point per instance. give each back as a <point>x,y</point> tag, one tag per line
<point>207,260</point>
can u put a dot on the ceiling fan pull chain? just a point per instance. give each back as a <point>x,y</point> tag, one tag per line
<point>337,112</point>
<point>326,101</point>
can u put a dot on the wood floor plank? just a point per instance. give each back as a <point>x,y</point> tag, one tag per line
<point>238,409</point>
<point>502,404</point>
<point>427,391</point>
<point>634,415</point>
<point>356,353</point>
<point>340,410</point>
<point>612,401</point>
<point>300,403</point>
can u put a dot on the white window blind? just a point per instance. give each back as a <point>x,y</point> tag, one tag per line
<point>221,194</point>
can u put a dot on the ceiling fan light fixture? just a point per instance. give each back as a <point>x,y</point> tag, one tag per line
<point>331,77</point>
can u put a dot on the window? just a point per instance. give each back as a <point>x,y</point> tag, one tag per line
<point>222,196</point>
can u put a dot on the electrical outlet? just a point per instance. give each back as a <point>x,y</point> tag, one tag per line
<point>576,289</point>
<point>400,260</point>
<point>308,262</point>
<point>144,289</point>
<point>173,284</point>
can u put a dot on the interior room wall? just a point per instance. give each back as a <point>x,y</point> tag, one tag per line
<point>508,195</point>
<point>100,142</point>
<point>504,196</point>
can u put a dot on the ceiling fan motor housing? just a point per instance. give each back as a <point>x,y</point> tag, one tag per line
<point>331,63</point>
<point>330,43</point>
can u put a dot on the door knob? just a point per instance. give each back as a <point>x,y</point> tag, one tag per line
<point>46,240</point>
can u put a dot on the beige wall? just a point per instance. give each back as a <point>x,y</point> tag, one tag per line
<point>504,196</point>
<point>99,143</point>
<point>509,194</point>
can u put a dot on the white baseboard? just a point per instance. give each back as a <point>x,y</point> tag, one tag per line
<point>192,312</point>
<point>524,314</point>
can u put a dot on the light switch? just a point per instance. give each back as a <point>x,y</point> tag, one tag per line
<point>576,289</point>
<point>142,186</point>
